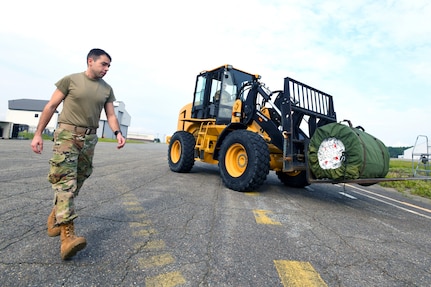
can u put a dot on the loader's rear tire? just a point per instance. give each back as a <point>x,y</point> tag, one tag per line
<point>244,160</point>
<point>293,179</point>
<point>181,151</point>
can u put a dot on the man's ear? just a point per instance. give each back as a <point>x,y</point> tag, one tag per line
<point>90,61</point>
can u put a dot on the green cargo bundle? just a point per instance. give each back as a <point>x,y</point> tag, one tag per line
<point>337,151</point>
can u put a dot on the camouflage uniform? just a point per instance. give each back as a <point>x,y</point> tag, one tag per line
<point>71,164</point>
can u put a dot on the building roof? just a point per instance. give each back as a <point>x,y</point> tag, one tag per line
<point>27,105</point>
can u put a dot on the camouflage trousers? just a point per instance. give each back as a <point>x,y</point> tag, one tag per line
<point>70,165</point>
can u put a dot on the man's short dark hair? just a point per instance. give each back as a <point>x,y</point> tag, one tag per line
<point>96,53</point>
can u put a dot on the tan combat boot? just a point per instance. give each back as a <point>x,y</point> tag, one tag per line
<point>53,230</point>
<point>70,243</point>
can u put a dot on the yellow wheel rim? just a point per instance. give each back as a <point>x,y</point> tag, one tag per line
<point>236,160</point>
<point>176,151</point>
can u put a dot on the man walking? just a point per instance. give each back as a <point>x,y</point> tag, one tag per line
<point>84,95</point>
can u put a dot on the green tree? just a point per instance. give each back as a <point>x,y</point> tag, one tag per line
<point>394,152</point>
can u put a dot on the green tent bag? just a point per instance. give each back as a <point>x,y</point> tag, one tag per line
<point>337,151</point>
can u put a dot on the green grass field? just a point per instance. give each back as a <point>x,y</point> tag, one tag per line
<point>404,168</point>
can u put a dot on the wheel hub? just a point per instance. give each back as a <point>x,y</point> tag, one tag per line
<point>176,151</point>
<point>236,160</point>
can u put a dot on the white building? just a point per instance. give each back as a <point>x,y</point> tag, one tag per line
<point>23,115</point>
<point>104,131</point>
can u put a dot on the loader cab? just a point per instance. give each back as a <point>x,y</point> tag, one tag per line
<point>216,92</point>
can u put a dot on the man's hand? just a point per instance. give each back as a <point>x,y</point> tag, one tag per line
<point>121,141</point>
<point>37,144</point>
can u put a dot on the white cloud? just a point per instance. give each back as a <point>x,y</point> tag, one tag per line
<point>371,56</point>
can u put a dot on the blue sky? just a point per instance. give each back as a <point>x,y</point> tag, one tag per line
<point>373,57</point>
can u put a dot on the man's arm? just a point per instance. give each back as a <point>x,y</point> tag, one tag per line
<point>113,123</point>
<point>45,117</point>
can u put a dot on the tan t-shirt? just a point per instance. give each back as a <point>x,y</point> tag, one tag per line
<point>84,101</point>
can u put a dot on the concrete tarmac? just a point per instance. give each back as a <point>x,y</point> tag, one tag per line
<point>148,226</point>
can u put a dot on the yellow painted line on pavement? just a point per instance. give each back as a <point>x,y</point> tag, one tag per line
<point>170,279</point>
<point>145,232</point>
<point>150,245</point>
<point>155,244</point>
<point>138,216</point>
<point>157,260</point>
<point>262,217</point>
<point>144,223</point>
<point>297,273</point>
<point>135,208</point>
<point>252,193</point>
<point>129,203</point>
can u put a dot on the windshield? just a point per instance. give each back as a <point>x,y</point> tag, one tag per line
<point>227,95</point>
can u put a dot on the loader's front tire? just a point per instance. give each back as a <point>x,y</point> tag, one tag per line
<point>181,151</point>
<point>244,160</point>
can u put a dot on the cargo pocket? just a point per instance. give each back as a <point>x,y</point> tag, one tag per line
<point>56,170</point>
